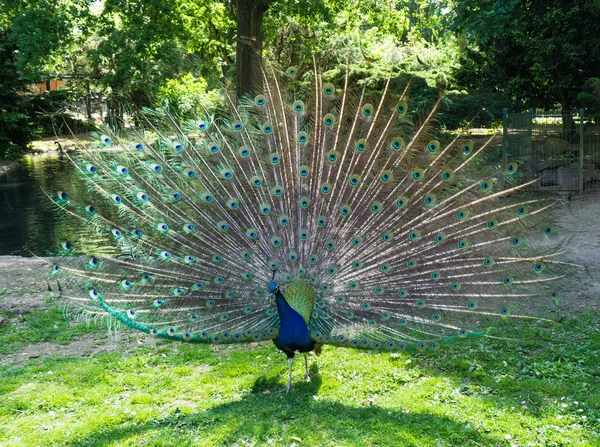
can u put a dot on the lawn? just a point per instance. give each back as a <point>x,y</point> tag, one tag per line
<point>541,391</point>
<point>68,383</point>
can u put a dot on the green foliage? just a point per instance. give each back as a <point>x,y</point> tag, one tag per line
<point>478,109</point>
<point>535,51</point>
<point>39,32</point>
<point>184,95</point>
<point>589,97</point>
<point>209,27</point>
<point>406,39</point>
<point>143,52</point>
<point>15,129</point>
<point>45,33</point>
<point>132,56</point>
<point>144,43</point>
<point>128,50</point>
<point>389,32</point>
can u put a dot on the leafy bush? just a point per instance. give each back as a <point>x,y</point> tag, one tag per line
<point>185,95</point>
<point>589,98</point>
<point>16,131</point>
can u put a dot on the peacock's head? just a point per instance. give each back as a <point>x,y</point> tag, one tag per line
<point>273,287</point>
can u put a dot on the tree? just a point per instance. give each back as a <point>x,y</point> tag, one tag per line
<point>44,35</point>
<point>15,129</point>
<point>589,97</point>
<point>142,44</point>
<point>139,52</point>
<point>537,51</point>
<point>248,53</point>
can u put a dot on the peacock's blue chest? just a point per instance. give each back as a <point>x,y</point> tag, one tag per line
<point>293,331</point>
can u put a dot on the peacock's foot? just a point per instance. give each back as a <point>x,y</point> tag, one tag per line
<point>288,388</point>
<point>306,375</point>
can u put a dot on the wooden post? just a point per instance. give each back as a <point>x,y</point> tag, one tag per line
<point>504,143</point>
<point>581,128</point>
<point>505,136</point>
<point>88,100</point>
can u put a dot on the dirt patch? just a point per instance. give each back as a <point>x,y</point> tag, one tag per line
<point>87,346</point>
<point>579,224</point>
<point>84,347</point>
<point>62,143</point>
<point>23,285</point>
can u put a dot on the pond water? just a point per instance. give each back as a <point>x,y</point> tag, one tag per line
<point>28,221</point>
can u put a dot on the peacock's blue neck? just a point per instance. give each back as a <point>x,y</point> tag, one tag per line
<point>283,308</point>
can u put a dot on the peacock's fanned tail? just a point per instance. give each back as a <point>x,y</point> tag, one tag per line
<point>383,236</point>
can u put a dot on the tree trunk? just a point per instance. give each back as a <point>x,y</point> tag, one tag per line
<point>249,45</point>
<point>567,116</point>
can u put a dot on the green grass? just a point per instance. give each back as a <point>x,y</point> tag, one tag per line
<point>36,327</point>
<point>544,391</point>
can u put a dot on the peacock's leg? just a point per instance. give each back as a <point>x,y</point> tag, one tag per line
<point>289,385</point>
<point>306,374</point>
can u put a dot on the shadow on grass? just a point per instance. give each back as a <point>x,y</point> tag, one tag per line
<point>262,415</point>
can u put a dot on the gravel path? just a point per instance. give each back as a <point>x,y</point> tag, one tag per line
<point>580,226</point>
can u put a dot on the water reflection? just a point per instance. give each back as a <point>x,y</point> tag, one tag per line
<point>28,220</point>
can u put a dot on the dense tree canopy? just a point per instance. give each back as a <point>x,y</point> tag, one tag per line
<point>539,51</point>
<point>148,52</point>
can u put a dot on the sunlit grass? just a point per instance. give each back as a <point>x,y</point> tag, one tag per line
<point>544,391</point>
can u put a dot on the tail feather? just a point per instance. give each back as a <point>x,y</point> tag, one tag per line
<point>408,237</point>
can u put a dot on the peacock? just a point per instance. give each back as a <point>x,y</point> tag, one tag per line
<point>310,214</point>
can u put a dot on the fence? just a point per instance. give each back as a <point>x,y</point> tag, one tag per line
<point>561,149</point>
